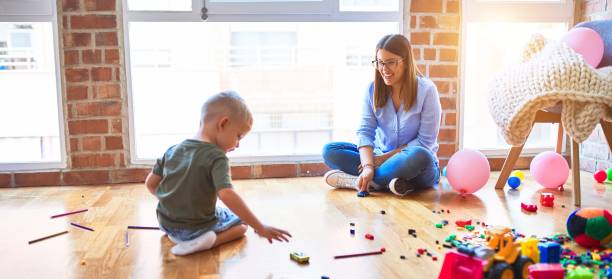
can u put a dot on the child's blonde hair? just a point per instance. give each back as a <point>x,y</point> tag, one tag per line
<point>226,103</point>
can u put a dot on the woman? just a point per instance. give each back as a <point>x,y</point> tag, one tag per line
<point>398,130</point>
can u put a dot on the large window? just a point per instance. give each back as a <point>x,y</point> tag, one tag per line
<point>303,76</point>
<point>495,33</point>
<point>30,129</point>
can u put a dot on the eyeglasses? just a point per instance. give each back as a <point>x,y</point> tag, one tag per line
<point>391,63</point>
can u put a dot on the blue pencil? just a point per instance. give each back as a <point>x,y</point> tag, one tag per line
<point>81,226</point>
<point>142,228</point>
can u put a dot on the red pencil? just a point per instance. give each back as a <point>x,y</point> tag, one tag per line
<point>69,213</point>
<point>359,254</point>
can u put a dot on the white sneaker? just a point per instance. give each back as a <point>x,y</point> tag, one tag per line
<point>342,180</point>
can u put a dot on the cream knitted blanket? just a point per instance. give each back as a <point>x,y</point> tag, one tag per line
<point>550,74</point>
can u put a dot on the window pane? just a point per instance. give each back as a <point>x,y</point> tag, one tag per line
<point>369,5</point>
<point>490,47</point>
<point>261,1</point>
<point>303,81</point>
<point>160,5</point>
<point>29,131</point>
<point>502,1</point>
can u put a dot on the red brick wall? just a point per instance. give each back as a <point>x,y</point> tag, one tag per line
<point>435,33</point>
<point>594,152</point>
<point>95,98</point>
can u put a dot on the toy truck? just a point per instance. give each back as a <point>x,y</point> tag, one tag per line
<point>500,258</point>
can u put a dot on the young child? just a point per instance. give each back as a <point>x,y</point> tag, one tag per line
<point>191,175</point>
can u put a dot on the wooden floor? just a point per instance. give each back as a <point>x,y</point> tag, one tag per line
<point>317,216</point>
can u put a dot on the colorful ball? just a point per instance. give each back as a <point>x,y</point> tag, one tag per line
<point>514,182</point>
<point>519,174</point>
<point>600,176</point>
<point>609,174</point>
<point>549,169</point>
<point>467,171</point>
<point>590,227</point>
<point>586,42</point>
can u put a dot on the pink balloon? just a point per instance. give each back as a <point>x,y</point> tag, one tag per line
<point>467,171</point>
<point>549,169</point>
<point>586,42</point>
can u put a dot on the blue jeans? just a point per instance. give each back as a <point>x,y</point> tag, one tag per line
<point>415,164</point>
<point>225,220</point>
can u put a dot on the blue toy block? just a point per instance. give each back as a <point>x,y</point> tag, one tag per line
<point>363,194</point>
<point>609,273</point>
<point>550,252</point>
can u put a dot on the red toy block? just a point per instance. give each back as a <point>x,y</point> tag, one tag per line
<point>369,236</point>
<point>463,223</point>
<point>461,266</point>
<point>529,207</point>
<point>421,251</point>
<point>546,271</point>
<point>547,199</point>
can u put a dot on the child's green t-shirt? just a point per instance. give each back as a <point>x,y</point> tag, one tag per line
<point>192,172</point>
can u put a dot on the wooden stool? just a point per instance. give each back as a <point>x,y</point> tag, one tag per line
<point>552,117</point>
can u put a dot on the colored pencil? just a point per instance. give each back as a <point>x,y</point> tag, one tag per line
<point>47,237</point>
<point>68,213</point>
<point>142,228</point>
<point>127,239</point>
<point>81,226</point>
<point>357,255</point>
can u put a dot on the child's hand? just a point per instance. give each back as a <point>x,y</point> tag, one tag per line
<point>273,233</point>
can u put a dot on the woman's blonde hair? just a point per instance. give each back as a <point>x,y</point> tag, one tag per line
<point>398,45</point>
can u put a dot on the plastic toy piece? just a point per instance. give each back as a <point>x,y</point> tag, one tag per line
<point>600,176</point>
<point>514,182</point>
<point>529,207</point>
<point>383,212</point>
<point>463,223</point>
<point>580,273</point>
<point>324,277</point>
<point>363,194</point>
<point>369,236</point>
<point>439,225</point>
<point>546,271</point>
<point>459,265</point>
<point>299,257</point>
<point>529,248</point>
<point>547,199</point>
<point>550,252</point>
<point>352,231</point>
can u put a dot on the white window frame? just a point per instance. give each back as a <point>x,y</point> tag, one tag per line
<point>291,11</point>
<point>521,11</point>
<point>39,11</point>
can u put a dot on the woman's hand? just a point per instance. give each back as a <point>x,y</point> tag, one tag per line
<point>366,175</point>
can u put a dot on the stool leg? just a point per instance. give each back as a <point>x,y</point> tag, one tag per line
<point>514,154</point>
<point>607,129</point>
<point>560,135</point>
<point>576,172</point>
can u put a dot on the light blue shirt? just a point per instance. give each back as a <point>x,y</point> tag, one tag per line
<point>387,129</point>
